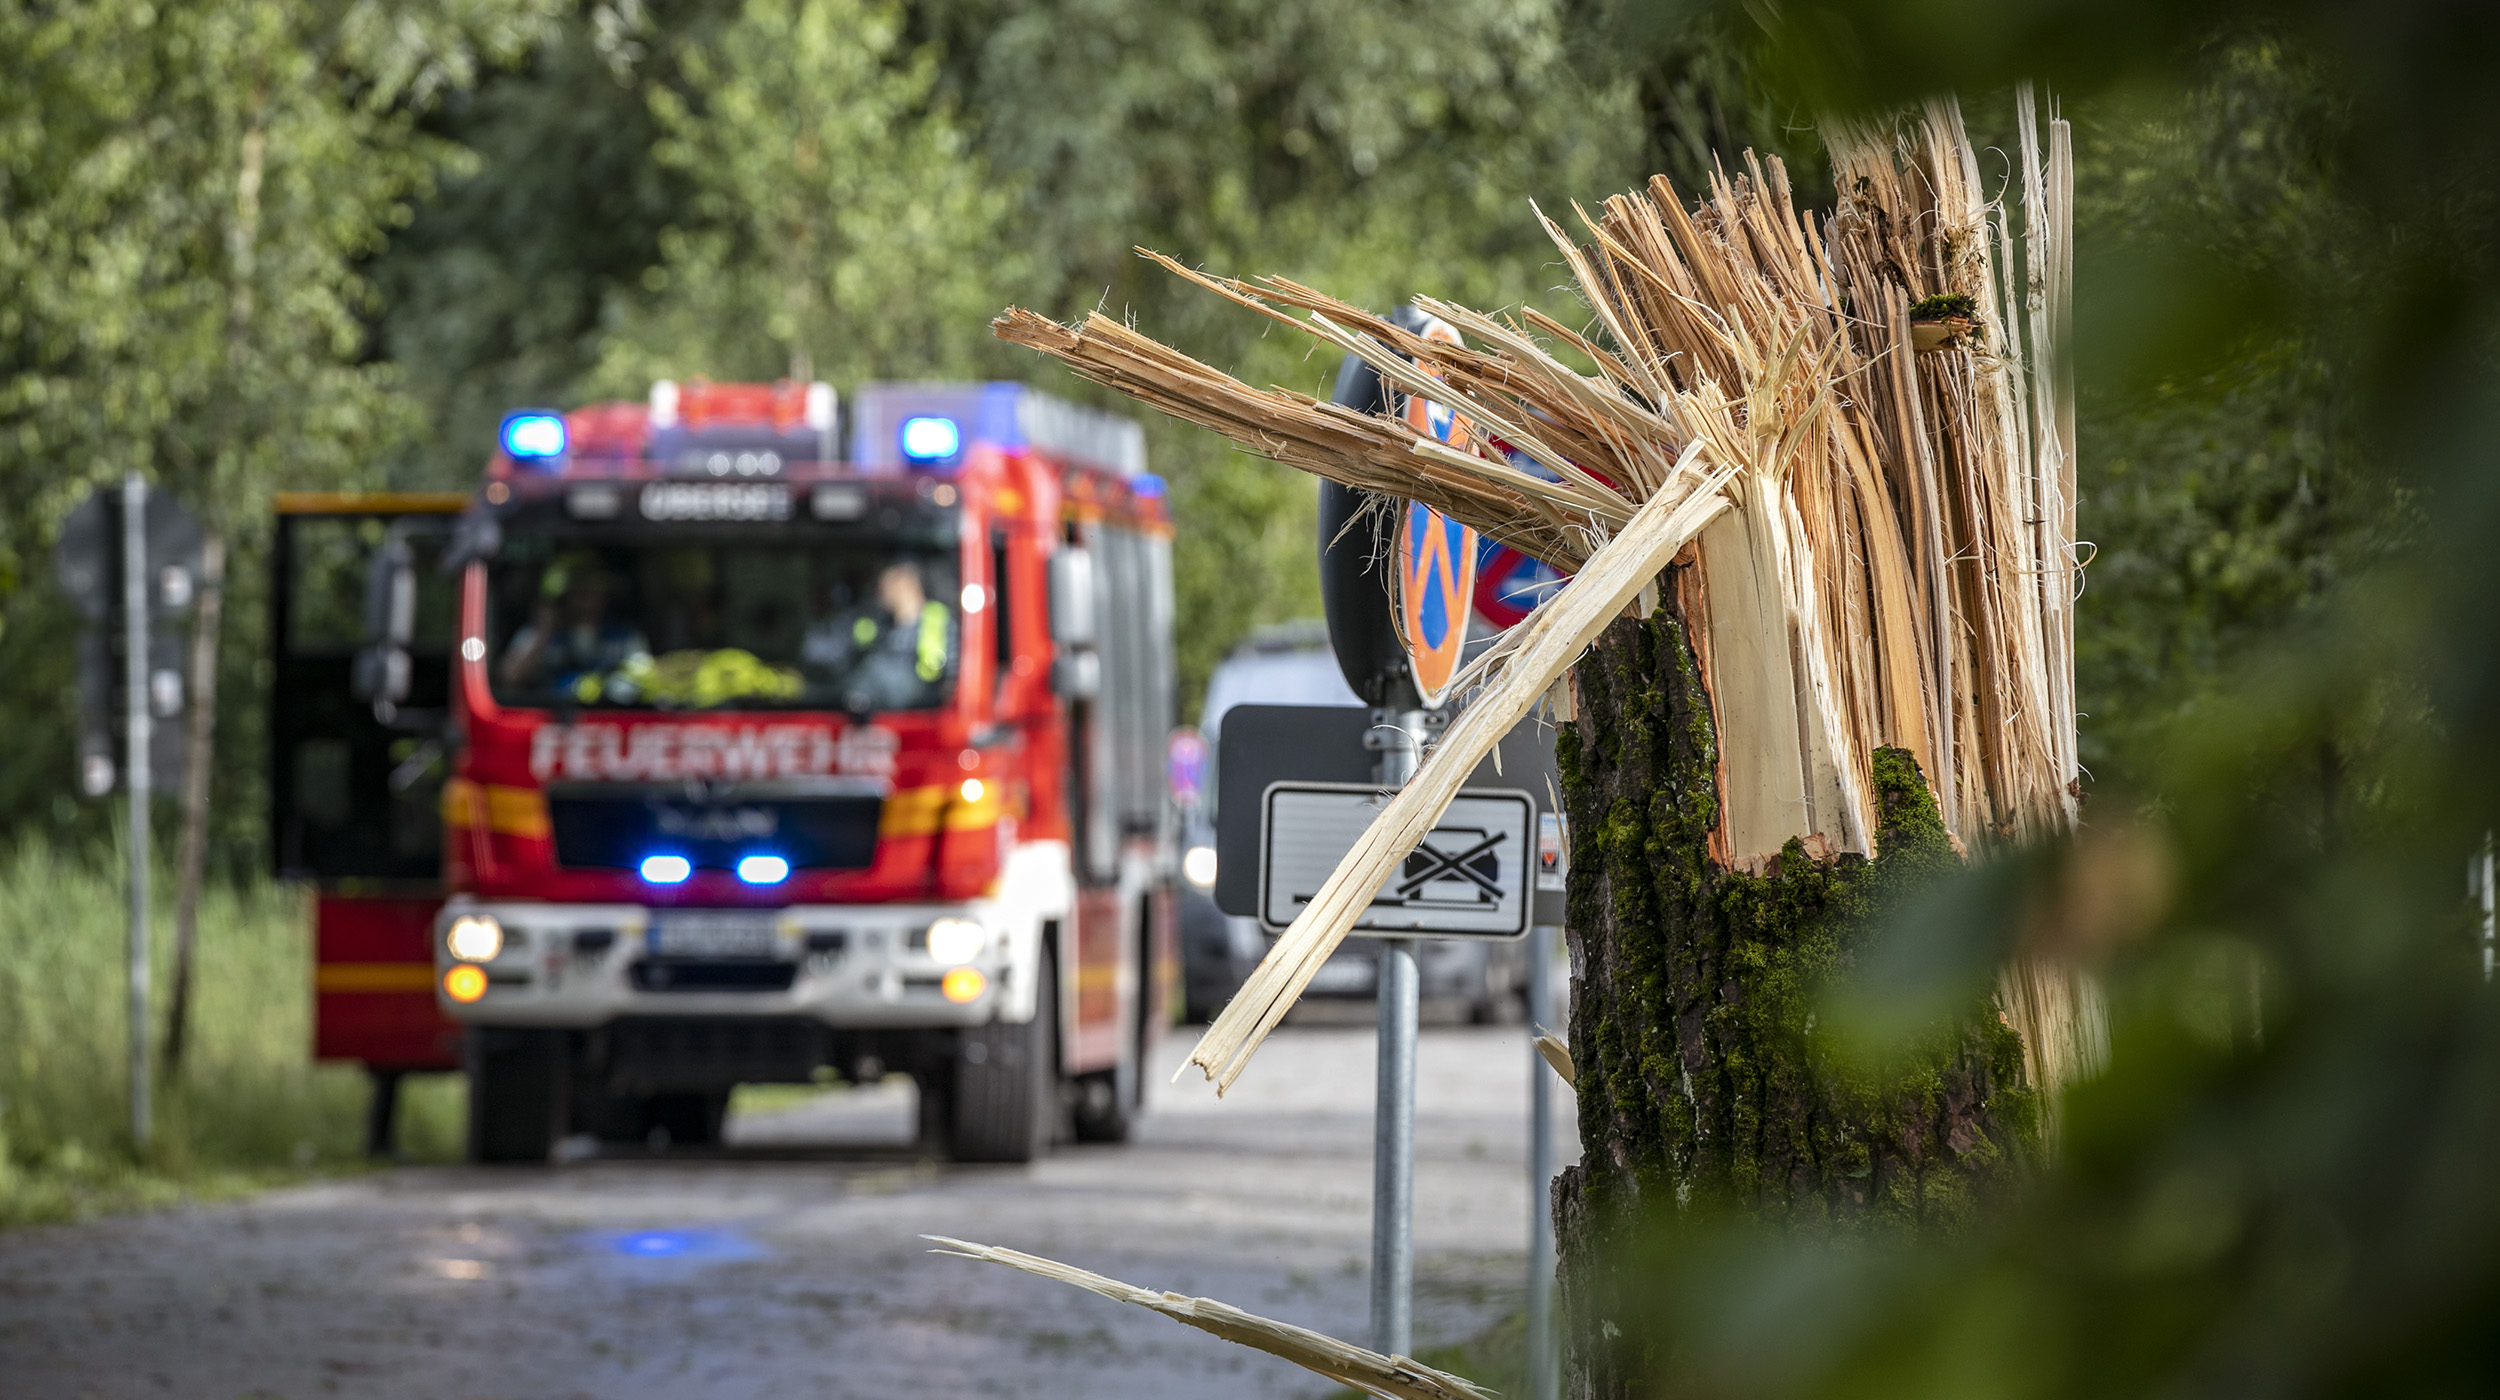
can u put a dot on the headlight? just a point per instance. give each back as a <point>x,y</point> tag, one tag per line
<point>1198,867</point>
<point>956,940</point>
<point>474,938</point>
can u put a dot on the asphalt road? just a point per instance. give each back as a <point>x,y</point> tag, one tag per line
<point>790,1263</point>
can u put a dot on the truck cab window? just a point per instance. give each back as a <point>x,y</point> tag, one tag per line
<point>610,620</point>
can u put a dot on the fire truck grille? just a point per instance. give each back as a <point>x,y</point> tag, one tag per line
<point>613,830</point>
<point>702,975</point>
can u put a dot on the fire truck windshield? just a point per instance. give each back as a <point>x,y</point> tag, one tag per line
<point>676,622</point>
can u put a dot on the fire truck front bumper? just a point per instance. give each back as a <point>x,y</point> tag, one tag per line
<point>885,966</point>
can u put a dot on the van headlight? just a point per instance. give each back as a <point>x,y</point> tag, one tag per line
<point>1198,867</point>
<point>474,938</point>
<point>953,941</point>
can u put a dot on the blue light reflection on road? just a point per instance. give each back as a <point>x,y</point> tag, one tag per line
<point>675,1246</point>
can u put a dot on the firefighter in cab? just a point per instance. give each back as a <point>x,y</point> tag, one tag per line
<point>571,635</point>
<point>895,651</point>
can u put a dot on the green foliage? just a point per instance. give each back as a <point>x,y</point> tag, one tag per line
<point>837,226</point>
<point>249,1107</point>
<point>496,294</point>
<point>186,195</point>
<point>2229,495</point>
<point>1701,90</point>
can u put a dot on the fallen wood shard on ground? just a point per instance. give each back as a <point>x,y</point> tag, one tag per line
<point>1874,527</point>
<point>1396,1377</point>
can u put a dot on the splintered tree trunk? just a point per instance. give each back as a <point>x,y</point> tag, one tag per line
<point>1703,1087</point>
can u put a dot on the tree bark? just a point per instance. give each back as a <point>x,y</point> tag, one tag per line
<point>1704,1089</point>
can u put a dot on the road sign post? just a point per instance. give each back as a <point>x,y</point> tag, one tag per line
<point>135,685</point>
<point>126,559</point>
<point>1402,672</point>
<point>1543,1375</point>
<point>1393,1153</point>
<point>1491,869</point>
<point>1397,1003</point>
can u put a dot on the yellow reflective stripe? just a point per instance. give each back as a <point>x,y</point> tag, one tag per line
<point>510,811</point>
<point>924,811</point>
<point>455,803</point>
<point>370,502</point>
<point>912,812</point>
<point>1101,977</point>
<point>374,977</point>
<point>932,663</point>
<point>972,816</point>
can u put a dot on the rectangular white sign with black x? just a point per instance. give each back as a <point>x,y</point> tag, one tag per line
<point>1468,878</point>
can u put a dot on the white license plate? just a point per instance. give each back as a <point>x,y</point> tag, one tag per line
<point>715,938</point>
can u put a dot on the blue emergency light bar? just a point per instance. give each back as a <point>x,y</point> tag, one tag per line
<point>937,427</point>
<point>929,440</point>
<point>758,431</point>
<point>533,436</point>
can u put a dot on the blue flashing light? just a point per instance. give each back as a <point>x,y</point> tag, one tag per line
<point>763,870</point>
<point>533,436</point>
<point>666,870</point>
<point>1146,486</point>
<point>929,440</point>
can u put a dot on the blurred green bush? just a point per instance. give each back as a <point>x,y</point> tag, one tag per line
<point>250,1107</point>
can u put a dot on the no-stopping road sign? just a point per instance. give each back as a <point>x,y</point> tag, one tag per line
<point>1467,879</point>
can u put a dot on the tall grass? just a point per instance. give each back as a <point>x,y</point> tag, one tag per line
<point>250,1106</point>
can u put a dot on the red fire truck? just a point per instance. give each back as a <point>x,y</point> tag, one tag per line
<point>692,751</point>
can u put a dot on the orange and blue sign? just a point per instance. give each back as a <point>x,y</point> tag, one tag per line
<point>1436,556</point>
<point>1436,590</point>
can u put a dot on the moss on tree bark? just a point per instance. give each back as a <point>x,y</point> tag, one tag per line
<point>1703,1085</point>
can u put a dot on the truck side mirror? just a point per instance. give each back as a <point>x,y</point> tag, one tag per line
<point>1072,598</point>
<point>1076,673</point>
<point>380,671</point>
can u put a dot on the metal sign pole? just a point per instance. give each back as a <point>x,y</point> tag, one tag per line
<point>1543,1377</point>
<point>1393,1155</point>
<point>136,767</point>
<point>1393,1104</point>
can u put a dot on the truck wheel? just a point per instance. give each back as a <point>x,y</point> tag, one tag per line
<point>516,1098</point>
<point>1102,1112</point>
<point>1006,1095</point>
